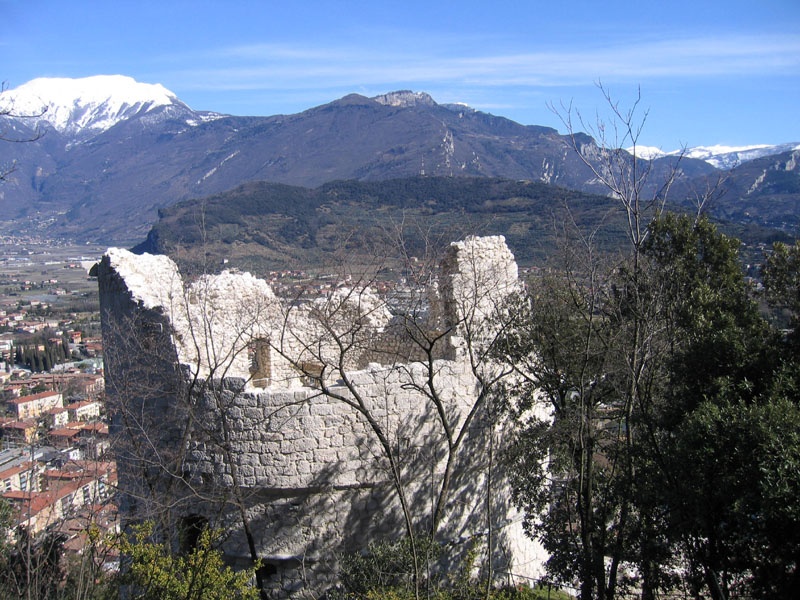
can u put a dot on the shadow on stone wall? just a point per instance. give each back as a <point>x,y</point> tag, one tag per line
<point>302,471</point>
<point>302,533</point>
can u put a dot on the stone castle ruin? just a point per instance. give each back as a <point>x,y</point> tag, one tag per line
<point>309,427</point>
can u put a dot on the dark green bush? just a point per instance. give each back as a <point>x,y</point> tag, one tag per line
<point>385,571</point>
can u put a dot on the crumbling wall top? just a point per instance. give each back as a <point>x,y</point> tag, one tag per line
<point>231,324</point>
<point>476,276</point>
<point>151,279</point>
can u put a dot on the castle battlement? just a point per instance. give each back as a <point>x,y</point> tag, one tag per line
<point>309,427</point>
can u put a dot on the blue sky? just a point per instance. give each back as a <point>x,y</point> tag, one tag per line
<point>709,72</point>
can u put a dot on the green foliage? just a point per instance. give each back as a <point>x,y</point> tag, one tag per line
<point>154,573</point>
<point>782,280</point>
<point>86,580</point>
<point>282,225</point>
<point>304,224</point>
<point>385,565</point>
<point>475,591</point>
<point>32,566</point>
<point>385,570</point>
<point>712,327</point>
<point>38,568</point>
<point>6,525</point>
<point>675,438</point>
<point>738,506</point>
<point>30,354</point>
<point>526,592</point>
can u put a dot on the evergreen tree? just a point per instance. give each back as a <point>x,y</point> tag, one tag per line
<point>695,477</point>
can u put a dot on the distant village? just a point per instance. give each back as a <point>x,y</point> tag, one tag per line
<point>55,470</point>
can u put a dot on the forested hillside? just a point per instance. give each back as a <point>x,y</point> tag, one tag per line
<point>265,225</point>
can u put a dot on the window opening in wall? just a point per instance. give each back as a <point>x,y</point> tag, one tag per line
<point>260,362</point>
<point>189,532</point>
<point>267,570</point>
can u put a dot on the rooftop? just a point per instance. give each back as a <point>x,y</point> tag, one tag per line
<point>33,397</point>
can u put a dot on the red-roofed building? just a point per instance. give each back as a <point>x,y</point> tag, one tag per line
<point>57,417</point>
<point>93,348</point>
<point>15,387</point>
<point>63,438</point>
<point>103,516</point>
<point>77,469</point>
<point>19,432</point>
<point>97,468</point>
<point>84,410</point>
<point>38,510</point>
<point>34,405</point>
<point>20,478</point>
<point>91,384</point>
<point>63,499</point>
<point>70,382</point>
<point>94,429</point>
<point>94,440</point>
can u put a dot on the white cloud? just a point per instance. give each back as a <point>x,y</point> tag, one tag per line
<point>277,66</point>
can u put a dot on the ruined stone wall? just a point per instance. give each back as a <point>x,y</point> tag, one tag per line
<point>315,467</point>
<point>306,467</point>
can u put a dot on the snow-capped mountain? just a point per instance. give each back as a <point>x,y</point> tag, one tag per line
<point>718,156</point>
<point>114,151</point>
<point>83,108</point>
<point>727,157</point>
<point>647,152</point>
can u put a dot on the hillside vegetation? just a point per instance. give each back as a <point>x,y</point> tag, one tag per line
<point>263,225</point>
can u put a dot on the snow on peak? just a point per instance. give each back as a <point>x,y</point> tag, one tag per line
<point>87,105</point>
<point>646,152</point>
<point>706,152</point>
<point>405,98</point>
<point>727,157</point>
<point>719,156</point>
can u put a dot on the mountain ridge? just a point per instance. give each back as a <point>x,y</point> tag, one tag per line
<point>98,102</point>
<point>262,226</point>
<point>107,183</point>
<point>83,108</point>
<point>719,155</point>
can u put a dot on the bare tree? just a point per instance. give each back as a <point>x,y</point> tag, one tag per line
<point>170,369</point>
<point>44,516</point>
<point>7,110</point>
<point>414,385</point>
<point>592,342</point>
